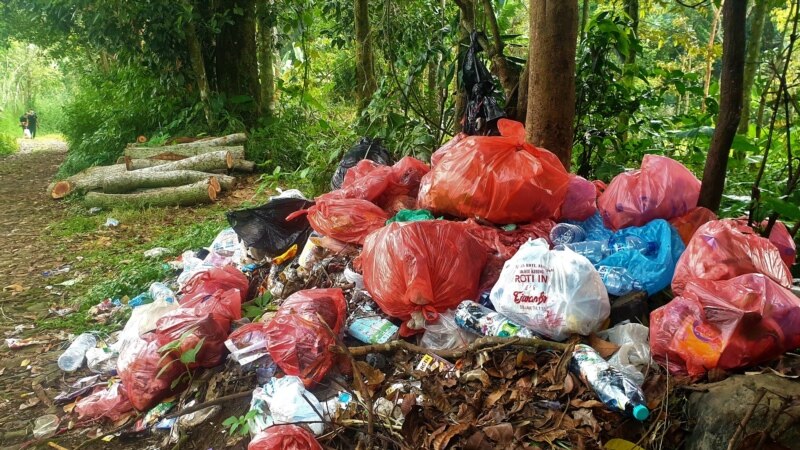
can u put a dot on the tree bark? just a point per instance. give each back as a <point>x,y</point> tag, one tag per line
<point>266,13</point>
<point>236,59</point>
<point>506,73</point>
<point>204,163</point>
<point>172,152</point>
<point>241,165</point>
<point>710,53</point>
<point>730,105</point>
<point>130,181</point>
<point>551,85</point>
<point>752,58</point>
<point>584,18</point>
<point>365,64</point>
<point>199,68</point>
<point>91,178</point>
<point>522,95</point>
<point>188,195</point>
<point>136,164</point>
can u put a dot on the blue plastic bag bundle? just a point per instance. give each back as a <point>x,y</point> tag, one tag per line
<point>652,269</point>
<point>594,228</point>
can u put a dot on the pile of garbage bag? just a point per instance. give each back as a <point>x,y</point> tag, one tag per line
<point>494,240</point>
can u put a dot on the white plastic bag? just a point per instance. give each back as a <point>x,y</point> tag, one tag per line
<point>284,399</point>
<point>143,320</point>
<point>633,356</point>
<point>445,334</point>
<point>554,293</point>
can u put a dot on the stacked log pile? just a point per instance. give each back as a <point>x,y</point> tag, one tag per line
<point>180,175</point>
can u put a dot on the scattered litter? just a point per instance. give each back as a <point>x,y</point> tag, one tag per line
<point>285,401</point>
<point>111,222</point>
<point>94,210</point>
<point>45,426</point>
<point>21,343</point>
<point>70,282</point>
<point>61,312</point>
<point>19,329</point>
<point>62,269</point>
<point>157,252</point>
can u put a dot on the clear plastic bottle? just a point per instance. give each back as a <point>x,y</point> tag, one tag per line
<point>72,359</point>
<point>612,386</point>
<point>567,233</point>
<point>618,280</point>
<point>45,426</point>
<point>160,291</point>
<point>594,251</point>
<point>633,243</point>
<point>482,320</point>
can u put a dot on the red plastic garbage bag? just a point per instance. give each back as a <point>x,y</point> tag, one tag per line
<point>249,334</point>
<point>224,306</point>
<point>662,189</point>
<point>210,281</point>
<point>284,437</point>
<point>346,219</point>
<point>580,202</point>
<point>501,179</point>
<point>299,341</point>
<point>408,173</point>
<point>781,238</point>
<point>724,249</point>
<point>368,180</point>
<point>110,403</point>
<point>725,324</point>
<point>148,378</point>
<point>688,223</point>
<point>444,149</point>
<point>188,329</point>
<point>416,269</point>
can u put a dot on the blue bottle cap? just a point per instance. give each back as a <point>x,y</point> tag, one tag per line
<point>641,413</point>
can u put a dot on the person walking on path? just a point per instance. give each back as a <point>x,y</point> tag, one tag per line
<point>23,123</point>
<point>32,122</point>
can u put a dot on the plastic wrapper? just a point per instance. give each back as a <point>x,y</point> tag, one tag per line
<point>688,223</point>
<point>248,343</point>
<point>502,179</point>
<point>633,355</point>
<point>284,437</point>
<point>552,293</point>
<point>188,329</point>
<point>299,341</point>
<point>580,202</point>
<point>653,270</point>
<point>110,403</point>
<point>226,243</point>
<point>662,189</point>
<point>724,249</point>
<point>285,401</point>
<point>444,333</point>
<point>210,281</point>
<point>725,325</point>
<point>365,149</point>
<point>224,305</point>
<point>148,378</point>
<point>143,320</point>
<point>417,269</point>
<point>346,219</point>
<point>266,228</point>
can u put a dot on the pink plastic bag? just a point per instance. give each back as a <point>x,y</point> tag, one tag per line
<point>724,249</point>
<point>781,238</point>
<point>662,189</point>
<point>421,268</point>
<point>502,179</point>
<point>346,219</point>
<point>284,437</point>
<point>581,200</point>
<point>110,403</point>
<point>725,325</point>
<point>688,223</point>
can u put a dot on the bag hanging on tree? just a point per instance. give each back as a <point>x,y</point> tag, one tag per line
<point>502,179</point>
<point>554,293</point>
<point>662,189</point>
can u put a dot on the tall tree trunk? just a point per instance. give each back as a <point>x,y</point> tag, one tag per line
<point>365,65</point>
<point>710,54</point>
<point>632,10</point>
<point>199,68</point>
<point>730,104</point>
<point>752,58</point>
<point>584,18</point>
<point>266,14</point>
<point>236,59</point>
<point>522,95</point>
<point>551,86</point>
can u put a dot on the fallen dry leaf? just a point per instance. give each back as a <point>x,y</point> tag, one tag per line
<point>502,433</point>
<point>372,376</point>
<point>578,403</point>
<point>478,441</point>
<point>585,418</point>
<point>605,348</point>
<point>550,436</point>
<point>477,375</point>
<point>492,398</point>
<point>443,439</point>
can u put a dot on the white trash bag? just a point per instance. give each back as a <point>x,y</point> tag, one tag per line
<point>554,293</point>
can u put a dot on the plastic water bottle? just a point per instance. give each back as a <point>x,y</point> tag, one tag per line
<point>612,386</point>
<point>482,320</point>
<point>594,251</point>
<point>72,359</point>
<point>160,291</point>
<point>618,280</point>
<point>633,243</point>
<point>566,233</point>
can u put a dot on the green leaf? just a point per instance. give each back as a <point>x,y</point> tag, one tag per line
<point>786,209</point>
<point>742,143</point>
<point>163,369</point>
<point>190,356</point>
<point>230,421</point>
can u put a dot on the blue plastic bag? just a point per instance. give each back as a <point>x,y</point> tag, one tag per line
<point>653,270</point>
<point>594,228</point>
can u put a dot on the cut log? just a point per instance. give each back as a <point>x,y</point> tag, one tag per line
<point>136,164</point>
<point>241,165</point>
<point>130,181</point>
<point>91,178</point>
<point>176,152</point>
<point>231,139</point>
<point>191,194</point>
<point>203,163</point>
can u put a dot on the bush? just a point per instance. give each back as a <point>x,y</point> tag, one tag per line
<point>8,144</point>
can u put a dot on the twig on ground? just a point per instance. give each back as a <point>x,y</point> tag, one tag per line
<point>216,401</point>
<point>743,424</point>
<point>480,344</point>
<point>771,424</point>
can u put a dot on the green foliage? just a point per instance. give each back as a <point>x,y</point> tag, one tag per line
<point>8,144</point>
<point>239,424</point>
<point>254,309</point>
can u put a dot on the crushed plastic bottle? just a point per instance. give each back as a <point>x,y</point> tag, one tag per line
<point>633,243</point>
<point>567,233</point>
<point>72,359</point>
<point>618,280</point>
<point>160,291</point>
<point>45,426</point>
<point>613,387</point>
<point>482,320</point>
<point>594,251</point>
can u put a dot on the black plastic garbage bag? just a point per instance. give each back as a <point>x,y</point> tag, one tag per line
<point>483,109</point>
<point>266,228</point>
<point>366,148</point>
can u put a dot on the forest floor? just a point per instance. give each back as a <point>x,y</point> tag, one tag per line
<point>56,261</point>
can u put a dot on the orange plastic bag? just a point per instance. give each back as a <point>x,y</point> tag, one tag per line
<point>688,223</point>
<point>188,328</point>
<point>346,219</point>
<point>284,437</point>
<point>726,325</point>
<point>417,269</point>
<point>724,249</point>
<point>110,403</point>
<point>148,378</point>
<point>501,179</point>
<point>298,340</point>
<point>580,202</point>
<point>662,189</point>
